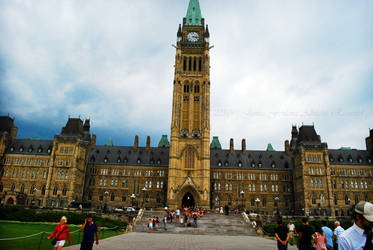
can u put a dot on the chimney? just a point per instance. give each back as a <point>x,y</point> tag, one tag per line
<point>136,145</point>
<point>148,143</point>
<point>231,147</point>
<point>243,146</point>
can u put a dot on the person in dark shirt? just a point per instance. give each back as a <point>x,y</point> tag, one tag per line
<point>90,228</point>
<point>305,235</point>
<point>282,236</point>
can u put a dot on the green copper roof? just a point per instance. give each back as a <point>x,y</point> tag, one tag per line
<point>215,144</point>
<point>164,143</point>
<point>193,16</point>
<point>269,147</point>
<point>110,142</point>
<point>345,148</point>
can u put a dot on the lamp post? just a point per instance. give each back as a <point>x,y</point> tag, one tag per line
<point>257,201</point>
<point>276,204</point>
<point>242,195</point>
<point>143,199</point>
<point>133,196</point>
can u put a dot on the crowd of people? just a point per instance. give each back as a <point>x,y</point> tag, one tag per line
<point>184,217</point>
<point>357,237</point>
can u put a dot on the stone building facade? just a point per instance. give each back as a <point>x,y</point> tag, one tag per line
<point>190,169</point>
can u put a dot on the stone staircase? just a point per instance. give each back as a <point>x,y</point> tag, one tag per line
<point>210,224</point>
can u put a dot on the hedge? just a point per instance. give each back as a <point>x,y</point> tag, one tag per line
<point>19,213</point>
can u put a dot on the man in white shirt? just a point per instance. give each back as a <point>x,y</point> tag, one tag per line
<point>291,229</point>
<point>337,233</point>
<point>359,236</point>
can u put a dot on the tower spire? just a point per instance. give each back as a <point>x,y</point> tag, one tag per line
<point>193,16</point>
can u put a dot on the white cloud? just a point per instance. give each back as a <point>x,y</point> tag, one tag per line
<point>274,64</point>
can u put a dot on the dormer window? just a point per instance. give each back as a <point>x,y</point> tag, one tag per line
<point>331,158</point>
<point>30,149</point>
<point>118,160</point>
<point>240,164</point>
<point>105,159</point>
<point>159,162</point>
<point>360,160</point>
<point>253,164</point>
<point>138,161</point>
<point>21,149</point>
<point>226,163</point>
<point>340,159</point>
<point>350,159</point>
<point>273,165</point>
<point>125,160</point>
<point>219,164</point>
<point>40,150</point>
<point>260,164</point>
<point>11,149</point>
<point>369,160</point>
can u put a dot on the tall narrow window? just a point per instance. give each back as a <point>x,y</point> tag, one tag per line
<point>194,64</point>
<point>200,64</point>
<point>185,64</point>
<point>189,158</point>
<point>190,64</point>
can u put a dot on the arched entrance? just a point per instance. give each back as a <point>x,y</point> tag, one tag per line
<point>188,200</point>
<point>10,201</point>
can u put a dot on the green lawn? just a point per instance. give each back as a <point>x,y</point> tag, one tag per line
<point>19,229</point>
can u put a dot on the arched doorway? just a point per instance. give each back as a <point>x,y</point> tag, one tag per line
<point>10,201</point>
<point>188,200</point>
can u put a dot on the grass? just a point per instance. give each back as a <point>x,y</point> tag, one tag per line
<point>18,229</point>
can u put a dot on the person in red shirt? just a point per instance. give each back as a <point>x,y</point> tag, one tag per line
<point>60,233</point>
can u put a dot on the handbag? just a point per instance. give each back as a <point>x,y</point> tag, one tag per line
<point>54,241</point>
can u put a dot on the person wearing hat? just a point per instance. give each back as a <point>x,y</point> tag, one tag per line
<point>90,228</point>
<point>359,236</point>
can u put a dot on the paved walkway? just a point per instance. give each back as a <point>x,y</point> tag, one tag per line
<point>155,241</point>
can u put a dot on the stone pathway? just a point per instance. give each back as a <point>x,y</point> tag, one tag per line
<point>143,241</point>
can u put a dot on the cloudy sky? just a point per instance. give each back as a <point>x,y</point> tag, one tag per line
<point>274,64</point>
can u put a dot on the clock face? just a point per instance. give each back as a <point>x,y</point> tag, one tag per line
<point>193,37</point>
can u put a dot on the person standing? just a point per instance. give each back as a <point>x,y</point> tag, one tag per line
<point>195,219</point>
<point>165,222</point>
<point>305,235</point>
<point>282,236</point>
<point>320,239</point>
<point>60,234</point>
<point>337,233</point>
<point>90,229</point>
<point>328,233</point>
<point>292,231</point>
<point>359,235</point>
<point>150,225</point>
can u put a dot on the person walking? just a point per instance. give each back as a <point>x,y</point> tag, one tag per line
<point>337,233</point>
<point>60,233</point>
<point>328,233</point>
<point>150,225</point>
<point>359,235</point>
<point>305,235</point>
<point>90,229</point>
<point>282,236</point>
<point>292,231</point>
<point>319,239</point>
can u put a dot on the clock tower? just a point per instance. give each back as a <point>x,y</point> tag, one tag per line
<point>189,165</point>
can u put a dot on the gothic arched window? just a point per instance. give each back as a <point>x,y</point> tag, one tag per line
<point>189,158</point>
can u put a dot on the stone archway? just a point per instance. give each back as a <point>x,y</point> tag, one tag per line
<point>10,201</point>
<point>188,195</point>
<point>188,200</point>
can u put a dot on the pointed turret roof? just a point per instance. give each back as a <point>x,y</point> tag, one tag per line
<point>193,16</point>
<point>270,147</point>
<point>110,143</point>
